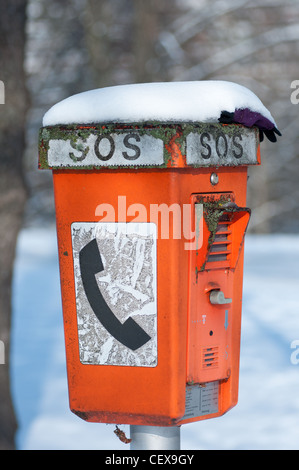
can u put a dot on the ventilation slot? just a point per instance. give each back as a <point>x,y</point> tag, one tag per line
<point>210,358</point>
<point>221,246</point>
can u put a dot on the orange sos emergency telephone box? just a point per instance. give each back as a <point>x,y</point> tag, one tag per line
<point>151,221</point>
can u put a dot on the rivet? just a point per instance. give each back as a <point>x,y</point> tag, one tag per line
<point>214,179</point>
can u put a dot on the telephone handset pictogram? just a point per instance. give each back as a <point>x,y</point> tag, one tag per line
<point>129,333</point>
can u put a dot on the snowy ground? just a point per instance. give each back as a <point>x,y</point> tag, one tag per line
<point>267,415</point>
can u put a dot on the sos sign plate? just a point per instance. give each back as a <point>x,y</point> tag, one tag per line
<point>115,266</point>
<point>208,146</point>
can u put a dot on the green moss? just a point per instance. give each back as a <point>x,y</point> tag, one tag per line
<point>164,131</point>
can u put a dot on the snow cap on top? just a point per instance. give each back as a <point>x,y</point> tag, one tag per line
<point>196,101</point>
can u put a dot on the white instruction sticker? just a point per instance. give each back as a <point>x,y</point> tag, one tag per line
<point>201,400</point>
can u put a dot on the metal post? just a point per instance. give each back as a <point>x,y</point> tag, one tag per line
<point>155,437</point>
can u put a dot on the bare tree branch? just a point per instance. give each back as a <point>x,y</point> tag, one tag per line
<point>239,51</point>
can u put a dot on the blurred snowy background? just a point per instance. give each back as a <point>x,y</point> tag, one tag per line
<point>76,45</point>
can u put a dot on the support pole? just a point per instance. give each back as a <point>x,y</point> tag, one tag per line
<point>155,437</point>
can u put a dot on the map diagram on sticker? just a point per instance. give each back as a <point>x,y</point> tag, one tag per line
<point>116,292</point>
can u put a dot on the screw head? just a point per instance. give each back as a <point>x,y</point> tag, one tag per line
<point>214,179</point>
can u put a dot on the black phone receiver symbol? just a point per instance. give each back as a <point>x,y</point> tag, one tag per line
<point>129,333</point>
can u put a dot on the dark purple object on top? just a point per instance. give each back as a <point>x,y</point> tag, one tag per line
<point>249,118</point>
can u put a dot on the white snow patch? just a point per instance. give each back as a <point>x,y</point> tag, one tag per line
<point>195,101</point>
